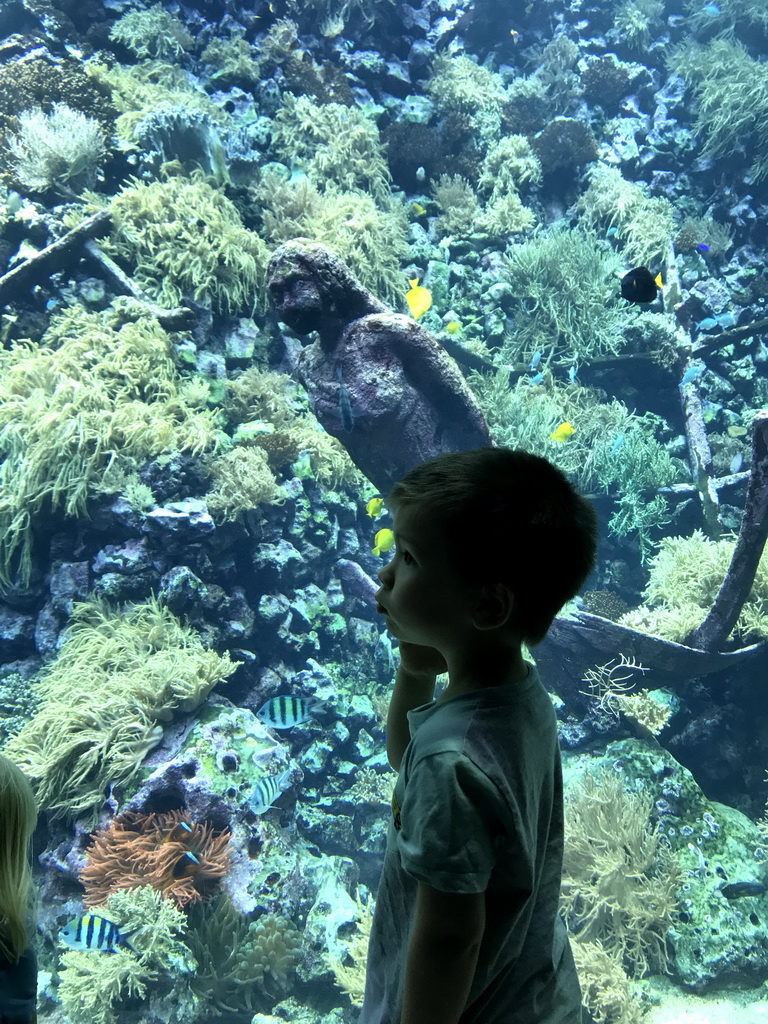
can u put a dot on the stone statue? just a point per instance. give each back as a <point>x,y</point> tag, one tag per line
<point>376,380</point>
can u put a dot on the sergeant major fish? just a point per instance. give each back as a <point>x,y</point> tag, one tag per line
<point>286,711</point>
<point>94,932</point>
<point>268,790</point>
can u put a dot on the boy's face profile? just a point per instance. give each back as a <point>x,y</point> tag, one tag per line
<point>426,602</point>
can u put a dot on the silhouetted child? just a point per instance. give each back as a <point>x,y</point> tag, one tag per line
<point>18,961</point>
<point>490,543</point>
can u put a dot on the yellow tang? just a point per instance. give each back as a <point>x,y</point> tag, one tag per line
<point>419,209</point>
<point>563,432</point>
<point>419,299</point>
<point>384,540</point>
<point>374,507</point>
<point>453,327</point>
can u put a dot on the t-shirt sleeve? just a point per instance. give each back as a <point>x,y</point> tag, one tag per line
<point>449,819</point>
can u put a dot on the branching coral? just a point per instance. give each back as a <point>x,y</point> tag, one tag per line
<point>684,577</point>
<point>334,144</point>
<point>57,150</point>
<point>731,90</point>
<point>644,225</point>
<point>242,480</point>
<point>371,239</point>
<point>235,955</point>
<point>619,885</point>
<point>92,985</point>
<point>119,673</point>
<point>636,20</point>
<point>154,849</point>
<point>99,390</point>
<point>605,986</point>
<point>183,236</point>
<point>153,32</point>
<point>350,978</point>
<point>458,85</point>
<point>569,305</point>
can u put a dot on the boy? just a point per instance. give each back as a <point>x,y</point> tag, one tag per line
<point>490,543</point>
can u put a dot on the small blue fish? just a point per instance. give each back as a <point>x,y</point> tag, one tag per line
<point>286,711</point>
<point>703,247</point>
<point>535,361</point>
<point>707,324</point>
<point>617,444</point>
<point>726,320</point>
<point>536,379</point>
<point>694,370</point>
<point>345,406</point>
<point>612,232</point>
<point>572,373</point>
<point>736,462</point>
<point>711,9</point>
<point>268,790</point>
<point>94,932</point>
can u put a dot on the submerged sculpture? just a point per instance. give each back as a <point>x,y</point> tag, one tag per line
<point>376,379</point>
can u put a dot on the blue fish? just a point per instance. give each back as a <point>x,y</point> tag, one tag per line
<point>612,232</point>
<point>693,371</point>
<point>286,711</point>
<point>711,9</point>
<point>703,247</point>
<point>268,790</point>
<point>94,932</point>
<point>707,324</point>
<point>536,379</point>
<point>572,373</point>
<point>345,405</point>
<point>617,444</point>
<point>736,462</point>
<point>726,320</point>
<point>535,361</point>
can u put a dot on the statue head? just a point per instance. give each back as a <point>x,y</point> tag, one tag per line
<point>312,289</point>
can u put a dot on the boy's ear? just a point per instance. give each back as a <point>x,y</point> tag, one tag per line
<point>495,605</point>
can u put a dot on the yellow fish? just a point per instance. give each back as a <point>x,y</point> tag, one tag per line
<point>374,507</point>
<point>419,209</point>
<point>383,541</point>
<point>734,431</point>
<point>419,299</point>
<point>563,432</point>
<point>453,327</point>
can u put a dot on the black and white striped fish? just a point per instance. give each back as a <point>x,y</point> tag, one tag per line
<point>286,711</point>
<point>93,932</point>
<point>269,789</point>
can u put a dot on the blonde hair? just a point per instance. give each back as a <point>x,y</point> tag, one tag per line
<point>18,818</point>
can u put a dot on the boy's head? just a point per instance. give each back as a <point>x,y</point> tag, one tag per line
<point>505,516</point>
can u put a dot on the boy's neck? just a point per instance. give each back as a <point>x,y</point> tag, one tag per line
<point>501,669</point>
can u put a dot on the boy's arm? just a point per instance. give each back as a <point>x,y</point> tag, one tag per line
<point>412,689</point>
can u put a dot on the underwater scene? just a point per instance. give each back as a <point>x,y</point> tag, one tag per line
<point>257,261</point>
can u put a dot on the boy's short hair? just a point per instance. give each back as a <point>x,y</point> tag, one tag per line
<point>507,516</point>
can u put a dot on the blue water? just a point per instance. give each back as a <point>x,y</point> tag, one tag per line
<point>191,437</point>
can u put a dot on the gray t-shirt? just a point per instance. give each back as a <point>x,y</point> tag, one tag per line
<point>478,807</point>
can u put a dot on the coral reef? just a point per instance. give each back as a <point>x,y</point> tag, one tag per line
<point>99,390</point>
<point>154,849</point>
<point>182,236</point>
<point>119,673</point>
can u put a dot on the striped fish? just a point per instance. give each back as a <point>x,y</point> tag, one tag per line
<point>93,932</point>
<point>268,790</point>
<point>286,711</point>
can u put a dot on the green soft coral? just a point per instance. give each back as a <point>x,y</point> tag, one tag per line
<point>118,675</point>
<point>184,237</point>
<point>731,92</point>
<point>644,225</point>
<point>153,32</point>
<point>685,576</point>
<point>92,986</point>
<point>99,391</point>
